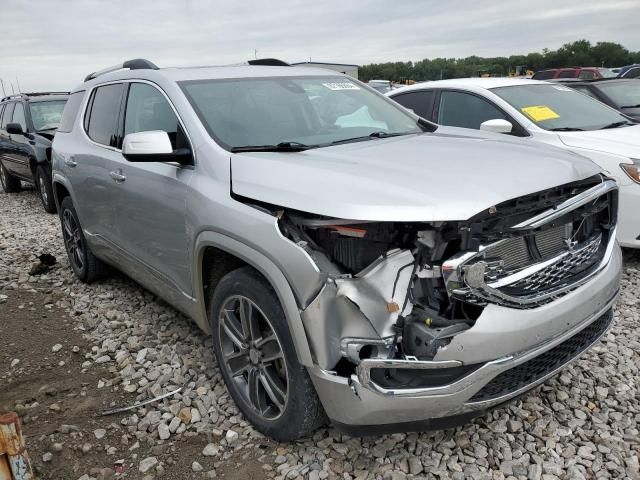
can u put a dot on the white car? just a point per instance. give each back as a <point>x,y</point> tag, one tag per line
<point>544,112</point>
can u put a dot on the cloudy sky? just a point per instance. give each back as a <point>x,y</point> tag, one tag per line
<point>51,44</point>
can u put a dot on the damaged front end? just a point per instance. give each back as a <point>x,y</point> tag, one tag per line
<point>398,294</point>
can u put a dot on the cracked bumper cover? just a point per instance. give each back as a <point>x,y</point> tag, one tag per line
<point>501,339</point>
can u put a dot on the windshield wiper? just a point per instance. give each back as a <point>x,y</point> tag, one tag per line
<point>371,136</point>
<point>617,124</point>
<point>566,129</point>
<point>631,106</point>
<point>280,147</point>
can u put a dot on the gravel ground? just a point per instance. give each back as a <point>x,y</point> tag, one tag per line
<point>581,424</point>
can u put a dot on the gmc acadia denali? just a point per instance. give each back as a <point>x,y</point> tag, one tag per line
<point>350,260</point>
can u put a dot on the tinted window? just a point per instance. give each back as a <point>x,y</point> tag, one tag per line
<point>544,75</point>
<point>419,102</point>
<point>148,109</point>
<point>568,74</point>
<point>625,94</point>
<point>632,73</point>
<point>70,112</point>
<point>587,74</point>
<point>458,109</point>
<point>18,116</point>
<point>7,115</point>
<point>104,113</point>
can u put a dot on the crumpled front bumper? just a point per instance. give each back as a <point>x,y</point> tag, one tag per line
<point>502,339</point>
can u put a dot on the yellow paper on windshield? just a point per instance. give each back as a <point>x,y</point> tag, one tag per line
<point>539,113</point>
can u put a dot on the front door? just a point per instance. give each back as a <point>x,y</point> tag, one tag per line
<point>19,148</point>
<point>149,200</point>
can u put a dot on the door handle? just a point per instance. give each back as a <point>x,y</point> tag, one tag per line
<point>70,162</point>
<point>118,176</point>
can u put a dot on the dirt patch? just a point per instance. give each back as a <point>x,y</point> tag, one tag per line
<point>42,378</point>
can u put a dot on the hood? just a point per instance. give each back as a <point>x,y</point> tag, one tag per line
<point>445,175</point>
<point>624,141</point>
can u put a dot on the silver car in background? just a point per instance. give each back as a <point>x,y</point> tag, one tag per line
<point>351,260</point>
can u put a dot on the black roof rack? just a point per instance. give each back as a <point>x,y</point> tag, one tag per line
<point>32,94</point>
<point>270,62</point>
<point>135,64</point>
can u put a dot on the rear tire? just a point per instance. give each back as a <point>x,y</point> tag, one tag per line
<point>45,189</point>
<point>10,184</point>
<point>269,386</point>
<point>87,267</point>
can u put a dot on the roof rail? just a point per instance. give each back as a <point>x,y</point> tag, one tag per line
<point>270,62</point>
<point>135,64</point>
<point>31,94</point>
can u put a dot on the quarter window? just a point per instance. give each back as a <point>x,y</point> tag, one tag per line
<point>458,109</point>
<point>148,109</point>
<point>419,102</point>
<point>103,116</point>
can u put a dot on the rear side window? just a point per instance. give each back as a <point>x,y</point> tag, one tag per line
<point>70,111</point>
<point>6,117</point>
<point>587,75</point>
<point>420,102</point>
<point>567,74</point>
<point>103,114</point>
<point>18,116</point>
<point>544,75</point>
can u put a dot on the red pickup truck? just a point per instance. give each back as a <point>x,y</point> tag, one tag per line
<point>582,73</point>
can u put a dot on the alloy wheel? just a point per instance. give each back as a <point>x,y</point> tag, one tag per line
<point>73,239</point>
<point>253,356</point>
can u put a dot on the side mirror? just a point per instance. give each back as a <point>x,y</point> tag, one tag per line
<point>153,146</point>
<point>14,129</point>
<point>497,125</point>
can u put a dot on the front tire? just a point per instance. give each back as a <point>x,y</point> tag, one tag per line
<point>45,189</point>
<point>257,358</point>
<point>10,184</point>
<point>87,267</point>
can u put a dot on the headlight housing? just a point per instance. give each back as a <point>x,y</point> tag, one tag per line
<point>632,169</point>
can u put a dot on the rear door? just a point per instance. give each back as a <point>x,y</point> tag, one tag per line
<point>150,198</point>
<point>90,166</point>
<point>419,101</point>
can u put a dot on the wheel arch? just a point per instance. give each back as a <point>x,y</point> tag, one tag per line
<point>231,254</point>
<point>61,189</point>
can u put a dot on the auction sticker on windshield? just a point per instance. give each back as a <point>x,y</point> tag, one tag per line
<point>341,86</point>
<point>539,113</point>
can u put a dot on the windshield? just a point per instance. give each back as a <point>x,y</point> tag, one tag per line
<point>625,94</point>
<point>556,107</point>
<point>308,111</point>
<point>46,115</point>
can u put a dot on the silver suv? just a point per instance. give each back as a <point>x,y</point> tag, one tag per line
<point>350,260</point>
